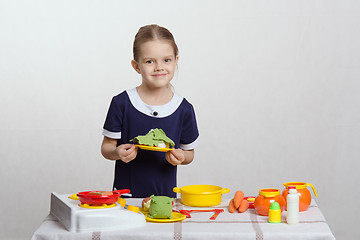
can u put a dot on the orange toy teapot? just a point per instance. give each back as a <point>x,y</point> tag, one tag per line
<point>303,192</point>
<point>266,197</point>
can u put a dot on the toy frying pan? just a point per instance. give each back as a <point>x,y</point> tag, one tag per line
<point>90,198</point>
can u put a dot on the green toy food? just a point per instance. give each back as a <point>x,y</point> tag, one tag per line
<point>160,207</point>
<point>155,138</point>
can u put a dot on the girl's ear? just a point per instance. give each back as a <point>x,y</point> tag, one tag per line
<point>135,65</point>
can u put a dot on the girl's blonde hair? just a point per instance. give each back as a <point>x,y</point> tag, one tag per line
<point>150,33</point>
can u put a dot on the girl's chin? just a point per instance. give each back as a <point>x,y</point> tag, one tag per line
<point>162,84</point>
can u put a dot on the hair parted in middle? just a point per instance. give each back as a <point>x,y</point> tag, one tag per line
<point>150,33</point>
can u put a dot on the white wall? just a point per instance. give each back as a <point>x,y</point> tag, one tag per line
<point>275,85</point>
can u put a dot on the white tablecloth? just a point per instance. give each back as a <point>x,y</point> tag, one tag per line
<point>248,225</point>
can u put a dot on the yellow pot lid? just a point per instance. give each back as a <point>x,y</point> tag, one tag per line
<point>269,192</point>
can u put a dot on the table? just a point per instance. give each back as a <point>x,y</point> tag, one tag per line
<point>247,225</point>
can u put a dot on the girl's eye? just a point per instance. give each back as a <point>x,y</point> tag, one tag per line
<point>168,60</point>
<point>149,61</point>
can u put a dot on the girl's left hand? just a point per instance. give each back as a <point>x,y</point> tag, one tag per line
<point>175,157</point>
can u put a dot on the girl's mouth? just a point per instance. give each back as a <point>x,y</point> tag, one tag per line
<point>159,75</point>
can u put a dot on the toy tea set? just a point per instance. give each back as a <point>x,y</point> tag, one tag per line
<point>268,195</point>
<point>294,198</point>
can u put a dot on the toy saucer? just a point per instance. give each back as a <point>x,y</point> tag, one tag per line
<point>176,217</point>
<point>158,149</point>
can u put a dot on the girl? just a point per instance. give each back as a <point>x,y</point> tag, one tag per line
<point>151,105</point>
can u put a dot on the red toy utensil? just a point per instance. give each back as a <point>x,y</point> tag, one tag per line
<point>213,217</point>
<point>217,212</point>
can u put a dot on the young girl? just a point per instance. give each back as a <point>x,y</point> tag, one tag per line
<point>151,105</point>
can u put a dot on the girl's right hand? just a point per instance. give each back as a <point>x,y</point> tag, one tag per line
<point>126,152</point>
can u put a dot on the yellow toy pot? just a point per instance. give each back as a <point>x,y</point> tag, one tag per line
<point>201,195</point>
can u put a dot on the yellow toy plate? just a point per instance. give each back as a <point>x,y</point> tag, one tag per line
<point>176,217</point>
<point>158,149</point>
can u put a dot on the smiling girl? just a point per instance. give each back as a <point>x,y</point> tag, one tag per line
<point>151,105</point>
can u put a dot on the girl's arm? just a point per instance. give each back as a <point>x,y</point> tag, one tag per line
<point>124,152</point>
<point>179,156</point>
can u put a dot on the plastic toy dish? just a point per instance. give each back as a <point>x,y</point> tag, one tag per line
<point>93,198</point>
<point>158,149</point>
<point>201,195</point>
<point>251,201</point>
<point>176,217</point>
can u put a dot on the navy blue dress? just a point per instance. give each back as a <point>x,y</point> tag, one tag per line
<point>149,173</point>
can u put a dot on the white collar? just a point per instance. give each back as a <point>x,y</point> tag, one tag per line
<point>158,111</point>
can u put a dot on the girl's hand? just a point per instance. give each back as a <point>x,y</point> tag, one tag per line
<point>175,157</point>
<point>126,152</point>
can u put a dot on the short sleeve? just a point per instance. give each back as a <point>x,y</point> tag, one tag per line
<point>113,121</point>
<point>190,133</point>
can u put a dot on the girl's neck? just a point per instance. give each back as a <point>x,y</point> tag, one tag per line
<point>154,96</point>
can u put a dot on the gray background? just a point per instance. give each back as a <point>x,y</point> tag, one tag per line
<point>275,86</point>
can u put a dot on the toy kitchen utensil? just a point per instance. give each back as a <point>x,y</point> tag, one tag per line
<point>201,195</point>
<point>213,217</point>
<point>266,197</point>
<point>303,192</point>
<point>96,198</point>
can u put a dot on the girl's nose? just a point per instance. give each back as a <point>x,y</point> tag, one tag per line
<point>158,67</point>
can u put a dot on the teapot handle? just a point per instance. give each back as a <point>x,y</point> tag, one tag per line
<point>313,188</point>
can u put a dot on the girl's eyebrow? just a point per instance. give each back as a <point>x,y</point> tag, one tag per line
<point>170,56</point>
<point>144,59</point>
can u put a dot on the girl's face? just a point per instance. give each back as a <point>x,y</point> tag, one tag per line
<point>156,64</point>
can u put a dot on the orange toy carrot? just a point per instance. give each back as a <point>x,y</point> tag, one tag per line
<point>244,205</point>
<point>239,196</point>
<point>232,208</point>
